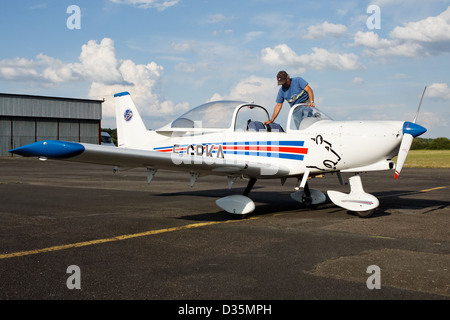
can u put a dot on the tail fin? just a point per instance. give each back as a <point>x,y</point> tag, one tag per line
<point>131,131</point>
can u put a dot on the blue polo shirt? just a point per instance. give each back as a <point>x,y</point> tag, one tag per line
<point>297,85</point>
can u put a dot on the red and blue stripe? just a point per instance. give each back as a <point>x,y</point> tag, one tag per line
<point>293,150</point>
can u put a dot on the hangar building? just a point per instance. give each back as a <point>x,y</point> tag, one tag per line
<point>26,119</point>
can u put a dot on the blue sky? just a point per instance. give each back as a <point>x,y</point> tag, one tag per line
<point>172,55</point>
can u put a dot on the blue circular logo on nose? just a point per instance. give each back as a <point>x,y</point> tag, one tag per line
<point>128,115</point>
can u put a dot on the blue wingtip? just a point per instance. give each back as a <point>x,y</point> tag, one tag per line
<point>51,149</point>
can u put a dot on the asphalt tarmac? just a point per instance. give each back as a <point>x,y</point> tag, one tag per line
<point>80,232</point>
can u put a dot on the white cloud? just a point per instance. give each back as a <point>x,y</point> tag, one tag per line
<point>438,90</point>
<point>385,47</point>
<point>358,80</point>
<point>99,61</point>
<point>371,40</point>
<point>430,120</point>
<point>431,29</point>
<point>252,89</point>
<point>319,59</point>
<point>43,71</point>
<point>18,69</point>
<point>181,47</point>
<point>99,65</point>
<point>399,76</point>
<point>191,68</point>
<point>250,36</point>
<point>215,18</point>
<point>140,80</point>
<point>429,36</point>
<point>56,71</point>
<point>207,59</point>
<point>160,5</point>
<point>325,30</point>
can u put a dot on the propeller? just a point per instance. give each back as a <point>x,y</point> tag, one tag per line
<point>410,131</point>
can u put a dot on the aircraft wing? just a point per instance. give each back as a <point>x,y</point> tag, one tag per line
<point>134,158</point>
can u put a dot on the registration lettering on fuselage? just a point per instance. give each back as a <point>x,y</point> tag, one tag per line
<point>206,150</point>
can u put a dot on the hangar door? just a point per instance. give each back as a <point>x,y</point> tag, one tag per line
<point>23,131</point>
<point>5,135</point>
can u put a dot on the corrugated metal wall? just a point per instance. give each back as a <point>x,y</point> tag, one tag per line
<point>48,107</point>
<point>27,119</point>
<point>5,135</point>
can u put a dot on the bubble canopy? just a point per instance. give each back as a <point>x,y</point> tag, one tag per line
<point>233,115</point>
<point>302,116</point>
<point>219,115</point>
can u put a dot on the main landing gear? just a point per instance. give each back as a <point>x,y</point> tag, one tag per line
<point>357,201</point>
<point>309,197</point>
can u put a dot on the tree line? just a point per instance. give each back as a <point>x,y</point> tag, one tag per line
<point>431,144</point>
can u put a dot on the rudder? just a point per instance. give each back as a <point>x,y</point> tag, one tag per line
<point>131,130</point>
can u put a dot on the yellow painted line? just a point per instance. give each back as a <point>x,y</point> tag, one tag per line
<point>143,234</point>
<point>412,192</point>
<point>433,189</point>
<point>381,237</point>
<point>118,238</point>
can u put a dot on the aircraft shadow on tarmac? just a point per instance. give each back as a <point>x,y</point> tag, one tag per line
<point>267,203</point>
<point>270,202</point>
<point>396,200</point>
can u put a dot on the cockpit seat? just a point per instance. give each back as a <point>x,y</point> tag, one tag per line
<point>256,126</point>
<point>274,127</point>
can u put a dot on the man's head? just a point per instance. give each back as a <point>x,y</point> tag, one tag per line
<point>283,79</point>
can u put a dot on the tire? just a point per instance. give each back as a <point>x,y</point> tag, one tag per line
<point>365,214</point>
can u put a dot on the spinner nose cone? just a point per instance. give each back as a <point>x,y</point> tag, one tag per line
<point>410,131</point>
<point>413,129</point>
<point>50,149</point>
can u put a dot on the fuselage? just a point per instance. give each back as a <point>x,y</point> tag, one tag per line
<point>325,146</point>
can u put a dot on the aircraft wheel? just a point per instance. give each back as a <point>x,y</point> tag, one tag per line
<point>234,216</point>
<point>307,201</point>
<point>365,214</point>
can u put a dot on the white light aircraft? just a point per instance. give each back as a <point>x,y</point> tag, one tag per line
<point>228,138</point>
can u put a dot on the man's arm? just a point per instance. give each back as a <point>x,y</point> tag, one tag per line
<point>311,95</point>
<point>276,111</point>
